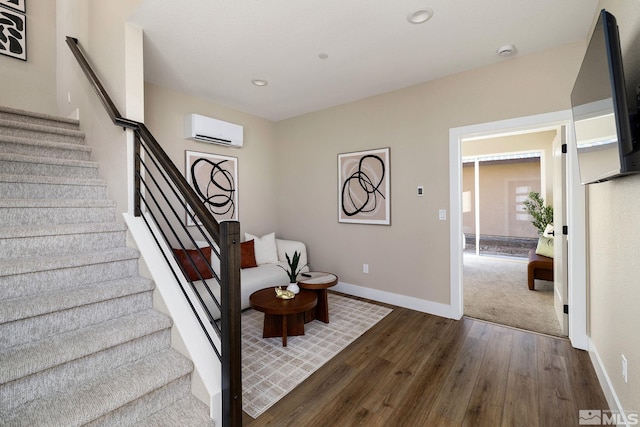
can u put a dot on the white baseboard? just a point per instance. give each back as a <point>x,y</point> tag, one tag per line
<point>425,306</point>
<point>605,383</point>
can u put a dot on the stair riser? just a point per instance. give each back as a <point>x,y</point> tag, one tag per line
<point>19,285</point>
<point>39,169</point>
<point>21,118</point>
<point>60,244</point>
<point>35,328</point>
<point>55,215</point>
<point>62,377</point>
<point>146,405</point>
<point>41,136</point>
<point>27,190</point>
<point>45,151</point>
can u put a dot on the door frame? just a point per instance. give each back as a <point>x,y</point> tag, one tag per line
<point>576,262</point>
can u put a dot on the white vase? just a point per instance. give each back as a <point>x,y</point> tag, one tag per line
<point>293,287</point>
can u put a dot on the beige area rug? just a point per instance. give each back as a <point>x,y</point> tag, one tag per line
<point>495,289</point>
<point>270,371</point>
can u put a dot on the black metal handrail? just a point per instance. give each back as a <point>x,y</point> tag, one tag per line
<point>162,194</point>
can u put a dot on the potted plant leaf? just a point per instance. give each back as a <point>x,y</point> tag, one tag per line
<point>542,215</point>
<point>292,271</point>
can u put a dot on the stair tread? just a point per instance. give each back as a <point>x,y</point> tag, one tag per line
<point>60,230</point>
<point>188,411</point>
<point>88,402</point>
<point>63,299</point>
<point>48,160</point>
<point>27,359</point>
<point>57,180</point>
<point>55,203</point>
<point>53,262</point>
<point>37,115</point>
<point>44,143</point>
<point>41,128</point>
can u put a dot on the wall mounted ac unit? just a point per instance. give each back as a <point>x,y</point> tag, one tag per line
<point>207,129</point>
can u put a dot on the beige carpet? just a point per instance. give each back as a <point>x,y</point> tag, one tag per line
<point>495,289</point>
<point>270,371</point>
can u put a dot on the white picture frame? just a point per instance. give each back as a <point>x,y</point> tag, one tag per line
<point>214,178</point>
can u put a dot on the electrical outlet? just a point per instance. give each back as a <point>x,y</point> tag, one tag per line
<point>624,368</point>
<point>365,268</point>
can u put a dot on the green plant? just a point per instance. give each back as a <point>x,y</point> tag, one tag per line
<point>542,215</point>
<point>293,270</point>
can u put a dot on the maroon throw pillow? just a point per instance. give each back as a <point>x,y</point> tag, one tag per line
<point>247,255</point>
<point>200,263</point>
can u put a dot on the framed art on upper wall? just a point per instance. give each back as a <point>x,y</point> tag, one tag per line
<point>13,33</point>
<point>364,192</point>
<point>215,180</point>
<point>15,5</point>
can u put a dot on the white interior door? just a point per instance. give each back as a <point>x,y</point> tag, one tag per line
<point>560,273</point>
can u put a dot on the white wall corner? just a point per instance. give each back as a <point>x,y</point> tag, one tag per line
<point>134,72</point>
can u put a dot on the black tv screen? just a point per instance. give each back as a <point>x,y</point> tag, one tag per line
<point>599,105</point>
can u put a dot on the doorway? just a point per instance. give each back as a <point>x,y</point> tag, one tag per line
<point>576,295</point>
<point>499,233</point>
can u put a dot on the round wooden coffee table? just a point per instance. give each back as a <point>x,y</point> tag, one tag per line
<point>282,317</point>
<point>318,282</point>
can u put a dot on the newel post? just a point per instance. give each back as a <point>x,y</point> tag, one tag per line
<point>231,334</point>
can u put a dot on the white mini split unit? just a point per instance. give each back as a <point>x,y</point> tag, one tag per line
<point>214,131</point>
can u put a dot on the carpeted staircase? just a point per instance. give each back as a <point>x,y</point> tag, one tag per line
<point>80,342</point>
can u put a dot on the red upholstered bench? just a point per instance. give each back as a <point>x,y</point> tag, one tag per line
<point>540,267</point>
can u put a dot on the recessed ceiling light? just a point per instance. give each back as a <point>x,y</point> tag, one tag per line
<point>420,16</point>
<point>259,82</point>
<point>506,50</point>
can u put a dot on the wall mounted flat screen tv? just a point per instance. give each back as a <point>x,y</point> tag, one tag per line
<point>603,125</point>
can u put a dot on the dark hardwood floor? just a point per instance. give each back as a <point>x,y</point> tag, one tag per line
<point>415,369</point>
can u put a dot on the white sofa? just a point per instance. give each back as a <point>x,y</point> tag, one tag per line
<point>265,275</point>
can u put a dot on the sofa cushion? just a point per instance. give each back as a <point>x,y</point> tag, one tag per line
<point>198,259</point>
<point>265,248</point>
<point>247,255</point>
<point>545,246</point>
<point>289,247</point>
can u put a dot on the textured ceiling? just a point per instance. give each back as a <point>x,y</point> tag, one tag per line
<point>214,48</point>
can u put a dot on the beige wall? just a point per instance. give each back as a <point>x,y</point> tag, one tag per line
<point>499,185</point>
<point>99,26</point>
<point>614,245</point>
<point>534,141</point>
<point>165,110</point>
<point>410,257</point>
<point>31,85</point>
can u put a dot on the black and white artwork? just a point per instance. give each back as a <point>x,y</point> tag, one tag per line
<point>215,179</point>
<point>13,33</point>
<point>14,4</point>
<point>363,187</point>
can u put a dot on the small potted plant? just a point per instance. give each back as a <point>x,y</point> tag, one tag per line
<point>542,220</point>
<point>293,271</point>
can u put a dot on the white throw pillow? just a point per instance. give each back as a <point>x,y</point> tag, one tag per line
<point>264,247</point>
